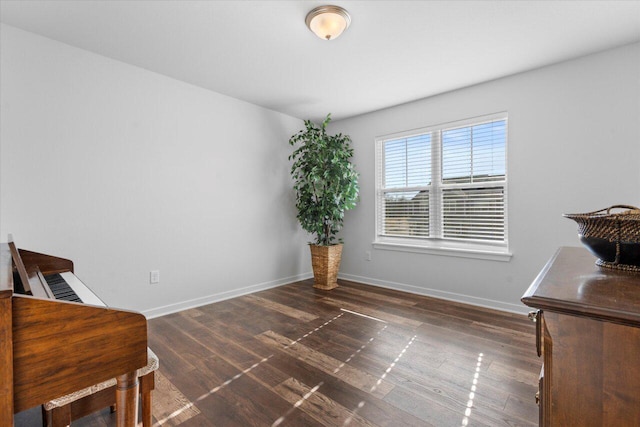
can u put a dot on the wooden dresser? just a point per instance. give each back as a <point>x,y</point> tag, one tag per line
<point>588,332</point>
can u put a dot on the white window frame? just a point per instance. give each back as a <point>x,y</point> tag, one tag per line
<point>435,244</point>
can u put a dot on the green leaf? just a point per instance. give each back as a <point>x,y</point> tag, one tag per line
<point>325,181</point>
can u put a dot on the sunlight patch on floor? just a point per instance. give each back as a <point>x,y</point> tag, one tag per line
<point>393,364</point>
<point>314,389</point>
<point>297,405</point>
<point>314,330</point>
<point>355,353</point>
<point>190,405</point>
<point>363,315</point>
<point>472,393</point>
<point>210,392</point>
<point>166,398</point>
<point>353,414</point>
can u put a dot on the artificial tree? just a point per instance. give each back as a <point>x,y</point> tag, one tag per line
<point>326,185</point>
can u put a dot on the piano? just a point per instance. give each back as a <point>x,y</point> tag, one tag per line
<point>57,337</point>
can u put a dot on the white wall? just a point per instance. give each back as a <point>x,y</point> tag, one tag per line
<point>126,171</point>
<point>574,146</point>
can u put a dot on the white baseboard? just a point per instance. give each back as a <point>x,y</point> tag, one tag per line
<point>450,296</point>
<point>209,299</point>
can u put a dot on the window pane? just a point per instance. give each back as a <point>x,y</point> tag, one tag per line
<point>489,141</point>
<point>474,153</point>
<point>456,155</point>
<point>419,160</point>
<point>406,213</point>
<point>473,213</point>
<point>467,202</point>
<point>395,163</point>
<point>407,162</point>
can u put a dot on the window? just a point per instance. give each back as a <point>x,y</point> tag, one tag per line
<point>443,188</point>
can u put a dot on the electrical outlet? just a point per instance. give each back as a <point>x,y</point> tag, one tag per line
<point>367,255</point>
<point>154,276</point>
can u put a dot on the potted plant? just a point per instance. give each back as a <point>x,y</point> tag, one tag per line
<point>326,185</point>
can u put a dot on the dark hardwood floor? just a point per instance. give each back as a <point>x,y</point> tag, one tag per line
<point>357,356</point>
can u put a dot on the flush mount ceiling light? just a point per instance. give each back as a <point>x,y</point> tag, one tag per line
<point>328,22</point>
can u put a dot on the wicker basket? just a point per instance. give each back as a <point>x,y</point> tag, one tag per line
<point>614,238</point>
<point>325,261</point>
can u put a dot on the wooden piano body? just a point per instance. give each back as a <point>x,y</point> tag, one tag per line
<point>49,348</point>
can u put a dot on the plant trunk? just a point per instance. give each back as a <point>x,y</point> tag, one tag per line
<point>327,230</point>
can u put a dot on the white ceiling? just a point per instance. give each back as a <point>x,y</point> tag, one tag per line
<point>394,51</point>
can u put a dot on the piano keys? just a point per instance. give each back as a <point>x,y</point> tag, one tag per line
<point>57,282</point>
<point>67,287</point>
<point>60,288</point>
<point>51,347</point>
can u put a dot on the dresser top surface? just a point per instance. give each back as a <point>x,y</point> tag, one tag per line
<point>571,283</point>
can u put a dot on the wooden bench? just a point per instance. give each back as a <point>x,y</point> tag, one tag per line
<point>62,411</point>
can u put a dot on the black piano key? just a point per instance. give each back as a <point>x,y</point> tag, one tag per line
<point>61,289</point>
<point>64,294</point>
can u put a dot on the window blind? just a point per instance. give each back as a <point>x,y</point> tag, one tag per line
<point>473,213</point>
<point>474,153</point>
<point>407,166</point>
<point>445,182</point>
<point>472,157</point>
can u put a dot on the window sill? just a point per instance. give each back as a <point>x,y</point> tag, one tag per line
<point>486,252</point>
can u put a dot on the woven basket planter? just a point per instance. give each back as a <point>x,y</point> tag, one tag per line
<point>614,238</point>
<point>325,261</point>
